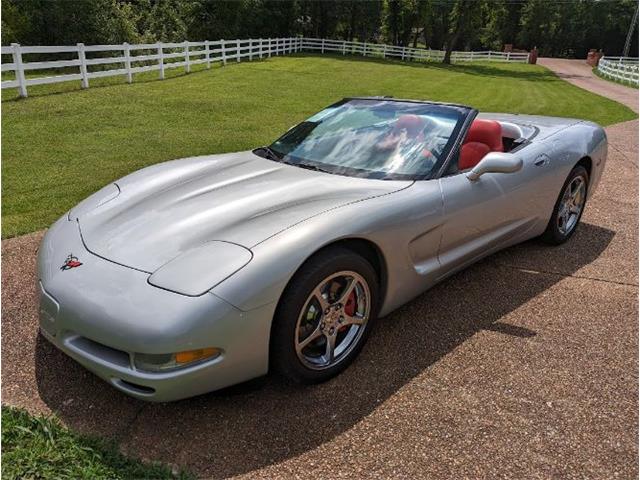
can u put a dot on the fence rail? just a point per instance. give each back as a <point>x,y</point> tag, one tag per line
<point>129,59</point>
<point>405,53</point>
<point>620,68</point>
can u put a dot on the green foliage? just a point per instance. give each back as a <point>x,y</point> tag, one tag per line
<point>570,29</point>
<point>88,138</point>
<point>563,28</point>
<point>40,447</point>
<point>464,18</point>
<point>42,22</point>
<point>400,20</point>
<point>164,21</point>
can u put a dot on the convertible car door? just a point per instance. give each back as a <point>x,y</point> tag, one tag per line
<point>492,212</point>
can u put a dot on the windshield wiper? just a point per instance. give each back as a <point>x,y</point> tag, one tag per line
<point>309,167</point>
<point>271,154</point>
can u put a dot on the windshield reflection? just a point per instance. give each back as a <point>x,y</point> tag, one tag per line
<point>373,138</point>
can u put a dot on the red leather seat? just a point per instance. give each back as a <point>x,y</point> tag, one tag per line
<point>483,137</point>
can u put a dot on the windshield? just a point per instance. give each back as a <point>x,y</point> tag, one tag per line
<point>372,138</point>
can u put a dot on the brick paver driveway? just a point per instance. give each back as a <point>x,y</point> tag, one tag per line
<point>580,74</point>
<point>523,366</point>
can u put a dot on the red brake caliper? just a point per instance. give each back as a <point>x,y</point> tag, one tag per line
<point>349,308</point>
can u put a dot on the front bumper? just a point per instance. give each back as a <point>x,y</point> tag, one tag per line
<point>100,313</point>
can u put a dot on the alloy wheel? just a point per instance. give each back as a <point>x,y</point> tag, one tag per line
<point>572,203</point>
<point>332,320</point>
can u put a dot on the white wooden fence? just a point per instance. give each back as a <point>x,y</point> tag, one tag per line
<point>620,68</point>
<point>406,53</point>
<point>129,59</point>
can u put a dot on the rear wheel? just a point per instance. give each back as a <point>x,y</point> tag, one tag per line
<point>568,208</point>
<point>324,316</point>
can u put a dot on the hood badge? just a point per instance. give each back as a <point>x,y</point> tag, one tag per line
<point>70,262</point>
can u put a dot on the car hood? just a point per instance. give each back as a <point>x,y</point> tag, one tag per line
<point>156,214</point>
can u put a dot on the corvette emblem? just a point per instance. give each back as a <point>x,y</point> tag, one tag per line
<point>70,262</point>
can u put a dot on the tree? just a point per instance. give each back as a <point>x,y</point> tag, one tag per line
<point>41,22</point>
<point>462,17</point>
<point>557,28</point>
<point>401,18</point>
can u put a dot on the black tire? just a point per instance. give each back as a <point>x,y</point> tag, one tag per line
<point>553,234</point>
<point>283,356</point>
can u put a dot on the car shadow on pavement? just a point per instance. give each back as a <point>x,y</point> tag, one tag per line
<point>266,421</point>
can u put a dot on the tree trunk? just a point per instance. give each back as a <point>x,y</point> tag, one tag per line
<point>352,22</point>
<point>415,38</point>
<point>451,43</point>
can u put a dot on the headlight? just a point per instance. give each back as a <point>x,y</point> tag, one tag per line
<point>200,269</point>
<point>171,361</point>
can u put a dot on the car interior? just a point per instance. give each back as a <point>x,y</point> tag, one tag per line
<point>486,136</point>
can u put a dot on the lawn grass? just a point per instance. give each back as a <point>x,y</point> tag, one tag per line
<point>40,447</point>
<point>60,147</point>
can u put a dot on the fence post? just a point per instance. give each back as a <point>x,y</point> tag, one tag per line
<point>187,64</point>
<point>508,56</point>
<point>207,53</point>
<point>83,66</point>
<point>322,50</point>
<point>489,54</point>
<point>269,47</point>
<point>238,51</point>
<point>224,52</point>
<point>127,61</point>
<point>403,50</point>
<point>161,60</point>
<point>17,59</point>
<point>384,51</point>
<point>364,50</point>
<point>251,49</point>
<point>260,48</point>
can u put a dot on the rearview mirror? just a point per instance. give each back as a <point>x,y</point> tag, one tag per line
<point>495,162</point>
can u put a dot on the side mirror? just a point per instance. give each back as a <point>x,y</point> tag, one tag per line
<point>495,162</point>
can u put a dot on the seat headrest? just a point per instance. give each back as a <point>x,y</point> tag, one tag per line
<point>488,132</point>
<point>413,124</point>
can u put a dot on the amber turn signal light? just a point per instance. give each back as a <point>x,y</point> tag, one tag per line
<point>196,355</point>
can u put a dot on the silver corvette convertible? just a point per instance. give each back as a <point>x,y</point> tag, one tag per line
<point>196,274</point>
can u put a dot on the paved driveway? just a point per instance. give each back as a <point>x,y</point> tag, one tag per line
<point>581,74</point>
<point>523,366</point>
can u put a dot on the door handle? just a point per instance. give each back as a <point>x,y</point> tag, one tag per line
<point>541,160</point>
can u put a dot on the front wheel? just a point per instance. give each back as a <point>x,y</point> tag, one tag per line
<point>324,316</point>
<point>568,208</point>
